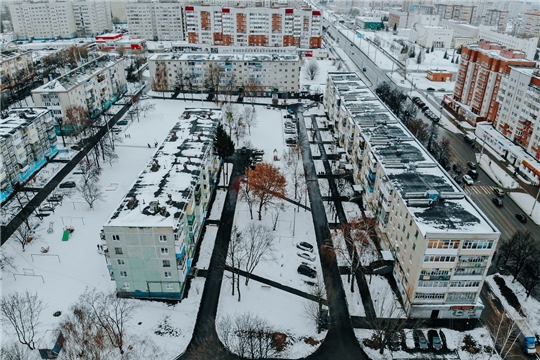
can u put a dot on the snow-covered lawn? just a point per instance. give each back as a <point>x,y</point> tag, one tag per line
<point>526,202</point>
<point>385,301</point>
<point>354,300</point>
<point>496,173</point>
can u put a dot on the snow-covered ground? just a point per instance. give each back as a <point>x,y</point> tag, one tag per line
<point>385,305</point>
<point>526,202</point>
<point>496,173</point>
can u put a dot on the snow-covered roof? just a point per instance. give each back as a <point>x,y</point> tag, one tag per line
<point>436,202</point>
<point>224,57</point>
<point>19,117</point>
<point>167,182</point>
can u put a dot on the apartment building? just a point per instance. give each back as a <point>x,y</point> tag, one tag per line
<point>402,19</point>
<point>464,13</point>
<point>27,141</point>
<point>480,72</point>
<point>155,20</point>
<point>248,3</point>
<point>253,26</point>
<point>519,108</point>
<point>496,18</point>
<point>190,71</point>
<point>531,24</point>
<point>151,237</point>
<point>92,17</point>
<point>95,86</point>
<point>441,241</point>
<point>43,20</point>
<point>461,29</point>
<point>527,45</point>
<point>17,67</point>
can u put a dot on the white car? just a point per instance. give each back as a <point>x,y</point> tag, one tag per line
<point>468,180</point>
<point>306,255</point>
<point>145,97</point>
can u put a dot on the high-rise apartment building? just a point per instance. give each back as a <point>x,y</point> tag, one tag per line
<point>151,237</point>
<point>441,241</point>
<point>497,18</point>
<point>17,67</point>
<point>27,141</point>
<point>464,13</point>
<point>527,45</point>
<point>531,24</point>
<point>479,76</point>
<point>155,21</point>
<point>43,20</point>
<point>92,17</point>
<point>253,26</point>
<point>518,116</point>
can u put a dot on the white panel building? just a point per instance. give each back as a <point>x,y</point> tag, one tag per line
<point>155,21</point>
<point>92,17</point>
<point>43,20</point>
<point>527,45</point>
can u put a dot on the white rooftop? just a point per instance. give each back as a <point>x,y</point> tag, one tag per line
<point>408,166</point>
<point>19,117</point>
<point>173,171</point>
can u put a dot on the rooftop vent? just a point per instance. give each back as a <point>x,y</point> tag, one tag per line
<point>154,206</point>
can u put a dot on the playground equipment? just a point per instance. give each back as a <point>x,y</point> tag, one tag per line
<point>68,230</point>
<point>50,230</point>
<point>44,249</point>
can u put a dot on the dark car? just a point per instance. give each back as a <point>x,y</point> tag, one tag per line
<point>363,69</point>
<point>430,89</point>
<point>305,246</point>
<point>243,150</point>
<point>324,319</point>
<point>473,174</point>
<point>287,116</point>
<point>307,271</point>
<point>457,168</point>
<point>122,122</point>
<point>497,201</point>
<point>521,217</point>
<point>395,342</point>
<point>425,108</point>
<point>498,192</point>
<point>76,147</point>
<point>443,339</point>
<point>414,98</point>
<point>434,339</point>
<point>420,340</point>
<point>471,164</point>
<point>67,184</point>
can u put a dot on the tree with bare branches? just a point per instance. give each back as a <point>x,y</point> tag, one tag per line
<point>502,328</point>
<point>16,351</point>
<point>252,89</point>
<point>257,244</point>
<point>25,233</point>
<point>313,309</point>
<point>21,312</point>
<point>160,80</point>
<point>78,117</point>
<point>121,50</point>
<point>312,69</point>
<point>213,77</point>
<point>91,192</point>
<point>249,115</point>
<point>266,182</point>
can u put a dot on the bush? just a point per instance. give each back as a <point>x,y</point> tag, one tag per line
<point>508,294</point>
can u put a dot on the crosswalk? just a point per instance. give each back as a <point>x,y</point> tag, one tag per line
<point>483,189</point>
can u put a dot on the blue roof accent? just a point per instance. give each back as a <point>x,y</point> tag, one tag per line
<point>181,255</point>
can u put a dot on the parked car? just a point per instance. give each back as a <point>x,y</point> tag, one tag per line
<point>456,168</point>
<point>291,141</point>
<point>468,180</point>
<point>421,104</point>
<point>307,271</point>
<point>434,339</point>
<point>67,184</point>
<point>443,339</point>
<point>363,69</point>
<point>243,150</point>
<point>122,122</point>
<point>145,97</point>
<point>306,255</point>
<point>116,130</point>
<point>497,201</point>
<point>521,217</point>
<point>268,107</point>
<point>324,319</point>
<point>55,198</point>
<point>290,111</point>
<point>288,116</point>
<point>430,89</point>
<point>420,340</point>
<point>471,164</point>
<point>414,98</point>
<point>498,192</point>
<point>76,147</point>
<point>395,342</point>
<point>425,108</point>
<point>473,174</point>
<point>46,208</point>
<point>290,131</point>
<point>305,246</point>
<point>441,89</point>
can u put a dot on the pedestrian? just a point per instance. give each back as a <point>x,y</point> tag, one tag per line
<point>490,163</point>
<point>149,146</point>
<point>125,136</point>
<point>101,247</point>
<point>98,247</point>
<point>129,136</point>
<point>155,144</point>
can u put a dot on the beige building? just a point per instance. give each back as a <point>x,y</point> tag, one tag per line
<point>43,20</point>
<point>497,18</point>
<point>92,17</point>
<point>253,26</point>
<point>463,12</point>
<point>17,67</point>
<point>27,141</point>
<point>531,24</point>
<point>441,241</point>
<point>95,86</point>
<point>155,20</point>
<point>265,71</point>
<point>118,10</point>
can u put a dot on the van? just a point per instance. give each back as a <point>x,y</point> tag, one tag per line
<point>469,138</point>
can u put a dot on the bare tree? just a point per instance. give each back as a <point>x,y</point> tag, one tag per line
<point>501,328</point>
<point>252,89</point>
<point>250,117</point>
<point>247,336</point>
<point>386,307</point>
<point>91,192</point>
<point>15,351</point>
<point>211,348</point>
<point>312,69</point>
<point>276,210</point>
<point>419,129</point>
<point>25,233</point>
<point>266,182</point>
<point>213,77</point>
<point>517,251</point>
<point>121,50</point>
<point>408,113</point>
<point>89,171</point>
<point>234,260</point>
<point>248,197</point>
<point>313,308</point>
<point>530,277</point>
<point>160,80</point>
<point>6,263</point>
<point>257,244</point>
<point>22,312</point>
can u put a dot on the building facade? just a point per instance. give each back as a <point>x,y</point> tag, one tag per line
<point>527,45</point>
<point>518,116</point>
<point>464,13</point>
<point>263,72</point>
<point>92,17</point>
<point>27,141</point>
<point>155,20</point>
<point>43,20</point>
<point>253,26</point>
<point>369,23</point>
<point>17,67</point>
<point>480,72</point>
<point>95,86</point>
<point>441,242</point>
<point>402,19</point>
<point>432,36</point>
<point>150,239</point>
<point>496,18</point>
<point>531,24</point>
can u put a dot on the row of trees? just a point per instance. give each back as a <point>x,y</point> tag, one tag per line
<point>96,327</point>
<point>407,112</point>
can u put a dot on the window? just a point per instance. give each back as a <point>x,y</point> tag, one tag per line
<point>169,286</point>
<point>478,244</point>
<point>433,284</point>
<point>443,244</point>
<point>123,273</point>
<point>162,238</point>
<point>439,258</point>
<point>116,237</point>
<point>166,263</point>
<point>462,296</point>
<point>429,296</point>
<point>121,262</point>
<point>118,251</point>
<point>168,274</point>
<point>126,286</point>
<point>164,251</point>
<point>464,283</point>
